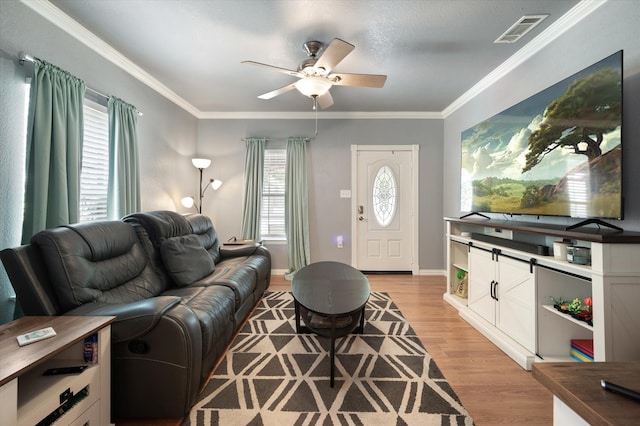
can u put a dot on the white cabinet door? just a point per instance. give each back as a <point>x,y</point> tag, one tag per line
<point>516,314</point>
<point>482,276</point>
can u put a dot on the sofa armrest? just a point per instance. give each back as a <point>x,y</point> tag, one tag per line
<point>132,319</point>
<point>156,356</point>
<point>236,250</point>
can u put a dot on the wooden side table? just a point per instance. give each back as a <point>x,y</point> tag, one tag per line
<point>578,398</point>
<point>27,396</point>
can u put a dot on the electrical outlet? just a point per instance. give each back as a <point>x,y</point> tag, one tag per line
<point>340,241</point>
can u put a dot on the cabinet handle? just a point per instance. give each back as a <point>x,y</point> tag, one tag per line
<point>494,290</point>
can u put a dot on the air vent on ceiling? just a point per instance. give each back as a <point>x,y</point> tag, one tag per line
<point>520,28</point>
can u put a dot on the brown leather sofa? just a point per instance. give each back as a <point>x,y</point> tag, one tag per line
<point>179,296</point>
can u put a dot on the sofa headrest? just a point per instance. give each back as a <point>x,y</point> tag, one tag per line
<point>203,227</point>
<point>160,225</point>
<point>105,239</point>
<point>101,261</point>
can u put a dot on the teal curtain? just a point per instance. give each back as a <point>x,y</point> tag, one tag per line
<point>296,201</point>
<point>124,174</point>
<point>54,150</point>
<point>253,178</point>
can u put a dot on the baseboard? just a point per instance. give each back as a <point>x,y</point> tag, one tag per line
<point>432,272</point>
<point>429,272</point>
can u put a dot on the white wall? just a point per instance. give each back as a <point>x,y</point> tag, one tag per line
<point>612,27</point>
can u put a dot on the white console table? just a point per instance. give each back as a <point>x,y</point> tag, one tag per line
<point>511,281</point>
<point>27,396</point>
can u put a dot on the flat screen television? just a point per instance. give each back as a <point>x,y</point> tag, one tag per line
<point>557,153</point>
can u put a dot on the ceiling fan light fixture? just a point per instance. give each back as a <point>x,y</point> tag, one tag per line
<point>313,86</point>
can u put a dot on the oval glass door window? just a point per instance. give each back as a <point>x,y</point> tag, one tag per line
<point>384,195</point>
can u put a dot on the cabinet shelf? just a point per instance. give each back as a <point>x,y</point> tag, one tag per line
<point>464,268</point>
<point>38,394</point>
<point>567,317</point>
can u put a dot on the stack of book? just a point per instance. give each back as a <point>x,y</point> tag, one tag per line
<point>582,350</point>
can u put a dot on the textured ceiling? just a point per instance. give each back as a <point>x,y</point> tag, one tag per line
<point>433,51</point>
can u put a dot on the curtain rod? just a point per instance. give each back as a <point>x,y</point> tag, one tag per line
<point>25,57</point>
<point>276,139</point>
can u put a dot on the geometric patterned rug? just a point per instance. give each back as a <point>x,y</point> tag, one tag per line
<point>273,376</point>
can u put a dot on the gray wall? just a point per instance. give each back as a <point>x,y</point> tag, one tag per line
<point>167,134</point>
<point>612,27</point>
<point>329,172</point>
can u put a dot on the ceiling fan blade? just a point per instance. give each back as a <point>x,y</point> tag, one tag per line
<point>333,54</point>
<point>361,80</point>
<point>277,92</point>
<point>274,68</point>
<point>325,101</point>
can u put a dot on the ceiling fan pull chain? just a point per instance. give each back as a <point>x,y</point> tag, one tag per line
<point>315,107</point>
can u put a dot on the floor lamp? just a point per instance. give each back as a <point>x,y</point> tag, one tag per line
<point>201,164</point>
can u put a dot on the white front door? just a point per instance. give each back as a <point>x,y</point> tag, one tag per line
<point>384,208</point>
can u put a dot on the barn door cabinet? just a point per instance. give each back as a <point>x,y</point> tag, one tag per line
<point>511,281</point>
<point>502,292</point>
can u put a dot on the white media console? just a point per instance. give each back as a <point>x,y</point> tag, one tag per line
<point>512,275</point>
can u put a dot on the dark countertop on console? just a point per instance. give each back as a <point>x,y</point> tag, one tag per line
<point>587,233</point>
<point>577,384</point>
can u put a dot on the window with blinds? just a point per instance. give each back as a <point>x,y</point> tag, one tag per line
<point>94,174</point>
<point>272,215</point>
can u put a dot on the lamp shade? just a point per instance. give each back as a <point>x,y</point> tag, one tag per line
<point>313,86</point>
<point>215,184</point>
<point>201,163</point>
<point>187,202</point>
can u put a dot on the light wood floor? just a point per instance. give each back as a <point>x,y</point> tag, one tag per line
<point>493,388</point>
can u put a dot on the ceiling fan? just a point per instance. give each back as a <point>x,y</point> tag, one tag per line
<point>315,76</point>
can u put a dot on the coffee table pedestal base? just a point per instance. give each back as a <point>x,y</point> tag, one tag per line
<point>331,331</point>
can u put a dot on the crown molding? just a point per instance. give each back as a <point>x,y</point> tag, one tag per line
<point>82,34</point>
<point>566,21</point>
<point>325,115</point>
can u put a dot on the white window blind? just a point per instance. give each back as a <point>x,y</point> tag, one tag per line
<point>272,215</point>
<point>95,163</point>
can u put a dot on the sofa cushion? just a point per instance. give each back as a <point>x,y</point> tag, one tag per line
<point>153,228</point>
<point>203,227</point>
<point>185,259</point>
<point>237,277</point>
<point>100,261</point>
<point>160,225</point>
<point>214,307</point>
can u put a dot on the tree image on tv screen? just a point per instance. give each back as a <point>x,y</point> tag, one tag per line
<point>578,119</point>
<point>555,153</point>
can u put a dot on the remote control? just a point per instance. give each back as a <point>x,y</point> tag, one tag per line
<point>65,370</point>
<point>35,336</point>
<point>629,393</point>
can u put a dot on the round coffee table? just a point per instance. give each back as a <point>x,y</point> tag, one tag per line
<point>330,297</point>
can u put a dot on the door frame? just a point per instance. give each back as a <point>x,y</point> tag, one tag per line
<point>414,199</point>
